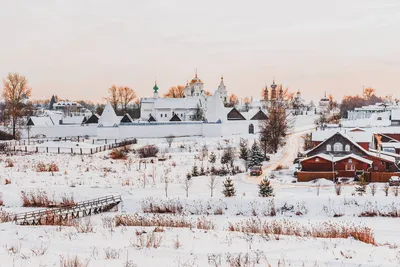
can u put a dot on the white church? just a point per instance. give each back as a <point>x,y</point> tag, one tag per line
<point>180,109</point>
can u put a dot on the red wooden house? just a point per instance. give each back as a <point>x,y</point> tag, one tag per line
<point>340,156</point>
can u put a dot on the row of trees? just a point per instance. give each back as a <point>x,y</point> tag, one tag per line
<point>121,96</point>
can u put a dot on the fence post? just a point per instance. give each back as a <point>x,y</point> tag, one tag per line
<point>37,149</point>
<point>81,151</point>
<point>91,151</point>
<point>72,150</point>
<point>78,138</point>
<point>58,150</point>
<point>93,141</point>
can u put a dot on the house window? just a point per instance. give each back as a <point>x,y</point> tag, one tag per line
<point>347,148</point>
<point>350,167</point>
<point>317,160</point>
<point>161,115</point>
<point>181,115</point>
<point>338,147</point>
<point>165,115</point>
<point>328,148</point>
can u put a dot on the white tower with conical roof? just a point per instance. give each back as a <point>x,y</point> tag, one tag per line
<point>108,127</point>
<point>222,91</point>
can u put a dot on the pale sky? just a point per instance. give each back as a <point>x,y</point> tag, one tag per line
<point>78,49</point>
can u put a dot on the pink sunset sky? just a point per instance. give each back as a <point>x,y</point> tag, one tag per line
<point>77,49</point>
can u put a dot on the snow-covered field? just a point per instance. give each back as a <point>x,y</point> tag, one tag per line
<point>304,206</point>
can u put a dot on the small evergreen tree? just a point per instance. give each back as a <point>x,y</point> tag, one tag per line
<point>223,171</point>
<point>265,188</point>
<point>256,156</point>
<point>361,188</point>
<point>212,159</point>
<point>229,188</point>
<point>195,171</point>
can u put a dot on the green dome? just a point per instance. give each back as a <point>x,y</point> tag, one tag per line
<point>155,88</point>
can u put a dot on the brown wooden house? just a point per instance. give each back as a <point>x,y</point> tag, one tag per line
<point>340,155</point>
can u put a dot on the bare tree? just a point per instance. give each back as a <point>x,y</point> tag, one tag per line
<point>175,92</point>
<point>212,183</point>
<point>187,183</point>
<point>113,97</point>
<point>15,94</point>
<point>126,95</point>
<point>275,127</point>
<point>169,139</point>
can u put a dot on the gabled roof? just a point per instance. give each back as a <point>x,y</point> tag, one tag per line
<point>234,114</point>
<point>93,119</point>
<point>151,118</point>
<point>337,159</point>
<point>39,121</point>
<point>372,154</point>
<point>175,118</point>
<point>260,115</point>
<point>126,118</point>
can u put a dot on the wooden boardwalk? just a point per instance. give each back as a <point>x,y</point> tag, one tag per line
<point>58,216</point>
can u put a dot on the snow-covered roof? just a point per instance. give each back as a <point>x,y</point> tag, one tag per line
<point>42,121</point>
<point>391,144</point>
<point>358,137</point>
<point>108,117</point>
<point>73,120</point>
<point>66,103</point>
<point>336,159</point>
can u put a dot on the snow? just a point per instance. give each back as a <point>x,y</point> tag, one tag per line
<point>92,176</point>
<point>108,117</point>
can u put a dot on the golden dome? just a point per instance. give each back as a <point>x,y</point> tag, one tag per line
<point>196,80</point>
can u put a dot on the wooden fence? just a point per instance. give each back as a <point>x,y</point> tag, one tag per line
<point>309,176</point>
<point>71,150</point>
<point>380,177</point>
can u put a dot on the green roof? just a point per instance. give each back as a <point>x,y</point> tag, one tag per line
<point>155,88</point>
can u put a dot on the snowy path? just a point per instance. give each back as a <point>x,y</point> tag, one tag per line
<point>288,153</point>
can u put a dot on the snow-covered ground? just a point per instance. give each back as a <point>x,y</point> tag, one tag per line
<point>304,205</point>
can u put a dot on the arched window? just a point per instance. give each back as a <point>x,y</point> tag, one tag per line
<point>347,148</point>
<point>338,147</point>
<point>328,148</point>
<point>251,129</point>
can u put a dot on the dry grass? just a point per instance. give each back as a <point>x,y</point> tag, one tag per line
<point>163,221</point>
<point>73,262</point>
<point>118,153</point>
<point>9,163</point>
<point>5,217</point>
<point>84,226</point>
<point>168,206</point>
<point>320,230</point>
<point>147,240</point>
<point>7,181</point>
<point>41,199</point>
<point>392,211</point>
<point>1,199</point>
<point>111,254</point>
<point>52,167</point>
